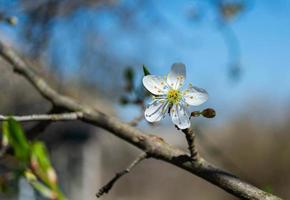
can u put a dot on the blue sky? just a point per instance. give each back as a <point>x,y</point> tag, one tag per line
<point>263,32</point>
<point>264,37</point>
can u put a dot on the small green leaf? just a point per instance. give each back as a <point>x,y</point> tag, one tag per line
<point>40,187</point>
<point>35,164</point>
<point>39,152</point>
<point>42,167</point>
<point>41,164</point>
<point>146,71</point>
<point>17,139</point>
<point>45,191</point>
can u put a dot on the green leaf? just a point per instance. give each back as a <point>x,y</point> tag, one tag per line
<point>45,190</point>
<point>17,139</point>
<point>146,71</point>
<point>40,187</point>
<point>39,152</point>
<point>35,163</point>
<point>41,163</point>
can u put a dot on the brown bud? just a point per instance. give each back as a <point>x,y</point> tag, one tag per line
<point>208,113</point>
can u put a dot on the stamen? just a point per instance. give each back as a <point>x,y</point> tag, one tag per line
<point>174,96</point>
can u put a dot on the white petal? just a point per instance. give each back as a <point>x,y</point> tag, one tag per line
<point>176,76</point>
<point>180,116</point>
<point>195,96</point>
<point>156,110</point>
<point>155,84</point>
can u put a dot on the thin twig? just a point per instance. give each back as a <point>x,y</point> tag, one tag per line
<point>45,117</point>
<point>190,138</point>
<point>106,188</point>
<point>136,120</point>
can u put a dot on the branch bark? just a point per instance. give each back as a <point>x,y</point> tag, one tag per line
<point>45,117</point>
<point>153,146</point>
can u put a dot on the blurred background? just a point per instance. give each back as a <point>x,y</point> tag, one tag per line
<point>238,50</point>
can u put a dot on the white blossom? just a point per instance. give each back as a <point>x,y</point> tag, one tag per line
<point>168,97</point>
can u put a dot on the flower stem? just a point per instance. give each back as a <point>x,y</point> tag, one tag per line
<point>190,138</point>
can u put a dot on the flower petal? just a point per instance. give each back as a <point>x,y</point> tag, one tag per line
<point>176,76</point>
<point>156,110</point>
<point>195,96</point>
<point>180,116</point>
<point>155,84</point>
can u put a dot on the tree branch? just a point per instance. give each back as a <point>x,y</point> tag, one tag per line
<point>155,147</point>
<point>45,117</point>
<point>106,188</point>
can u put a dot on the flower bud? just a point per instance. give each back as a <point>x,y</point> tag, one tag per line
<point>208,113</point>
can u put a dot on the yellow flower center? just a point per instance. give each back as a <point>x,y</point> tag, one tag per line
<point>173,96</point>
